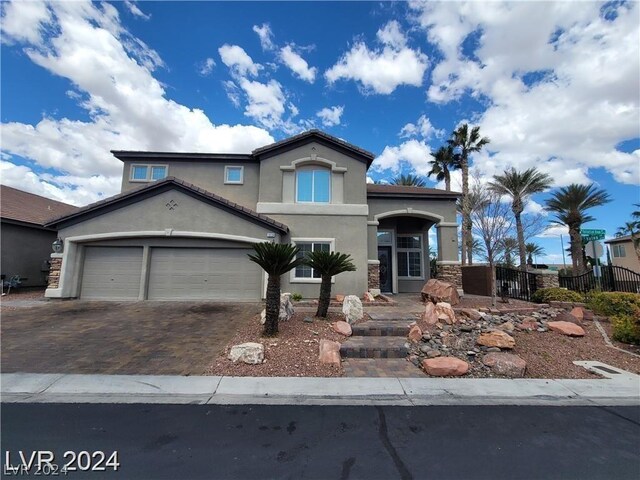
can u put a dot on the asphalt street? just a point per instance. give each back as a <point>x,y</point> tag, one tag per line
<point>328,442</point>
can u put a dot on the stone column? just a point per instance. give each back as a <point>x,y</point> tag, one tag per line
<point>546,279</point>
<point>373,264</point>
<point>449,268</point>
<point>54,270</point>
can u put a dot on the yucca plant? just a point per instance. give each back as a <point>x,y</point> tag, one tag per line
<point>327,265</point>
<point>276,259</point>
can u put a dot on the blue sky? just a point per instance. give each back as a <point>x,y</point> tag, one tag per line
<point>554,85</point>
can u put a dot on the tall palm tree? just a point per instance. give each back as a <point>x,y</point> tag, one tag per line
<point>533,250</point>
<point>442,165</point>
<point>632,229</point>
<point>409,180</point>
<point>569,205</point>
<point>468,142</point>
<point>328,264</point>
<point>520,186</point>
<point>509,246</point>
<point>276,259</point>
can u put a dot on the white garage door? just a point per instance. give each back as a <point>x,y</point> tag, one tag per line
<point>111,273</point>
<point>203,274</point>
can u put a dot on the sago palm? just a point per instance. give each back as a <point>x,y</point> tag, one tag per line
<point>519,186</point>
<point>327,265</point>
<point>468,142</point>
<point>569,205</point>
<point>409,180</point>
<point>442,165</point>
<point>276,259</point>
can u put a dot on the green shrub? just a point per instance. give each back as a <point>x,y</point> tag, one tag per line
<point>296,297</point>
<point>623,309</point>
<point>546,295</point>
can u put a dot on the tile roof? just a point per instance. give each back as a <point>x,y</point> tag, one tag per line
<point>30,208</point>
<point>625,238</point>
<point>401,190</point>
<point>181,183</point>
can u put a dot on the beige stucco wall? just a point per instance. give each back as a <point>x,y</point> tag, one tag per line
<point>630,260</point>
<point>208,175</point>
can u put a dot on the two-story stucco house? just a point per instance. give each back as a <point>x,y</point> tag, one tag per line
<point>184,222</point>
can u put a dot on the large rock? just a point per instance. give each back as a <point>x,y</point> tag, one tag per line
<point>329,352</point>
<point>342,328</point>
<point>250,352</point>
<point>286,309</point>
<point>415,334</point>
<point>496,338</point>
<point>352,308</point>
<point>368,297</point>
<point>528,323</point>
<point>566,328</point>
<point>445,366</point>
<point>505,364</point>
<point>430,314</point>
<point>445,313</point>
<point>438,291</point>
<point>472,314</point>
<point>578,312</point>
<point>568,317</point>
<point>506,327</point>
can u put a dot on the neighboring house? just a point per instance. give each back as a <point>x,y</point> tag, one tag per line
<point>184,223</point>
<point>26,243</point>
<point>623,254</point>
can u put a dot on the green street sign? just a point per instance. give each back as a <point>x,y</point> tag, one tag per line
<point>591,234</point>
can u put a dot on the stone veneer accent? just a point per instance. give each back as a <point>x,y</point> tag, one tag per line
<point>451,274</point>
<point>54,271</point>
<point>373,277</point>
<point>547,279</point>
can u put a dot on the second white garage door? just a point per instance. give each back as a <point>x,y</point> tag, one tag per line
<point>203,274</point>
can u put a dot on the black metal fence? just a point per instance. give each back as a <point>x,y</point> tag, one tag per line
<point>608,279</point>
<point>514,283</point>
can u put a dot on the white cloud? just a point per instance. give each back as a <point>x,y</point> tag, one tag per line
<point>135,10</point>
<point>266,36</point>
<point>423,128</point>
<point>23,21</point>
<point>127,106</point>
<point>265,102</point>
<point>238,61</point>
<point>559,79</point>
<point>554,231</point>
<point>412,153</point>
<point>381,70</point>
<point>207,66</point>
<point>331,116</point>
<point>297,64</point>
<point>369,180</point>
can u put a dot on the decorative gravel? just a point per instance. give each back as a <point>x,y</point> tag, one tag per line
<point>293,353</point>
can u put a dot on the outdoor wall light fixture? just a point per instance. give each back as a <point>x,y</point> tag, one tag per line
<point>57,245</point>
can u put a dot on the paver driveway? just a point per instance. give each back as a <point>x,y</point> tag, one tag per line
<point>163,338</point>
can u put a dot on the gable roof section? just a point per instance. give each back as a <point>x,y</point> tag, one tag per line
<point>405,191</point>
<point>320,137</point>
<point>21,206</point>
<point>162,185</point>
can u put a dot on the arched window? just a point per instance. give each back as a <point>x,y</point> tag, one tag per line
<point>313,184</point>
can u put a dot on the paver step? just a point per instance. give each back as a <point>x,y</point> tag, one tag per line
<point>380,367</point>
<point>374,347</point>
<point>381,328</point>
<point>393,316</point>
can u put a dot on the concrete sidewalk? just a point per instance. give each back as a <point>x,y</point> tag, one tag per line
<point>617,388</point>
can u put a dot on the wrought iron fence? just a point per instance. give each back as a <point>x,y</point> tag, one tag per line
<point>608,279</point>
<point>514,283</point>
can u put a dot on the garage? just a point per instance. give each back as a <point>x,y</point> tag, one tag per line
<point>111,273</point>
<point>203,274</point>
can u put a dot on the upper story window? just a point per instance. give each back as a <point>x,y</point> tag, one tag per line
<point>618,251</point>
<point>313,185</point>
<point>148,173</point>
<point>233,175</point>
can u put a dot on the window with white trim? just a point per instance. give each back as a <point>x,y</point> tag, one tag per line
<point>304,271</point>
<point>618,251</point>
<point>148,173</point>
<point>409,255</point>
<point>313,185</point>
<point>233,175</point>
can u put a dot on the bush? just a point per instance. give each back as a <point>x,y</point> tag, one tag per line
<point>546,295</point>
<point>296,297</point>
<point>623,309</point>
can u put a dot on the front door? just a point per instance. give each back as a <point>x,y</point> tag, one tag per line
<point>384,256</point>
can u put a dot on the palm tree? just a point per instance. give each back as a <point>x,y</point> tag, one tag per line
<point>569,205</point>
<point>442,164</point>
<point>276,259</point>
<point>328,264</point>
<point>520,186</point>
<point>509,246</point>
<point>636,214</point>
<point>632,229</point>
<point>533,250</point>
<point>409,180</point>
<point>467,142</point>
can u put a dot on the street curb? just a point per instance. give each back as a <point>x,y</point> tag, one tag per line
<point>617,388</point>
